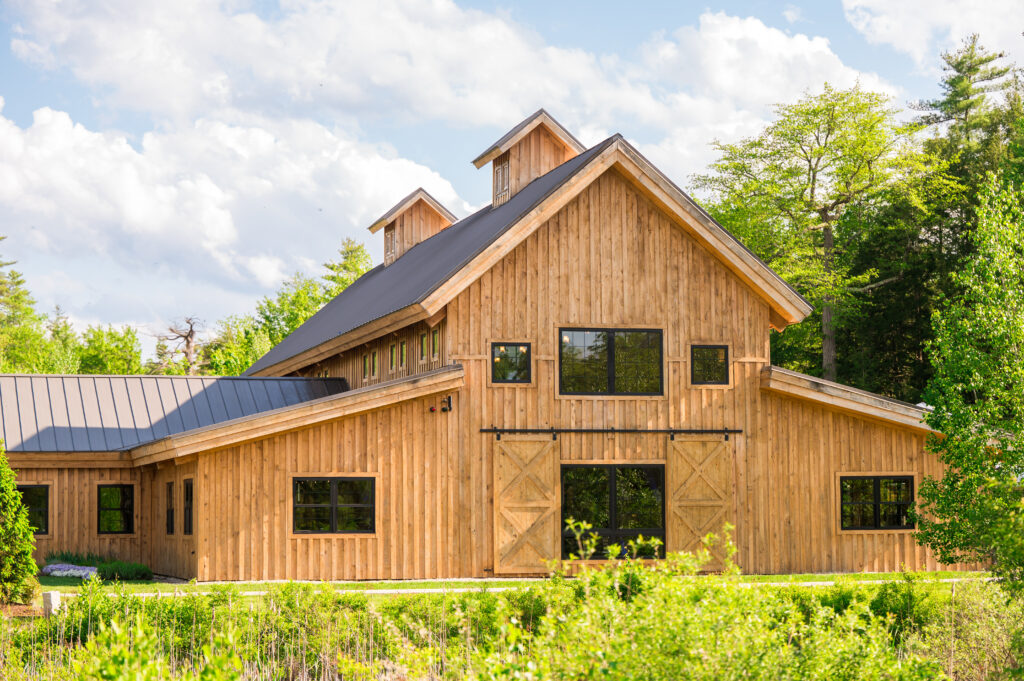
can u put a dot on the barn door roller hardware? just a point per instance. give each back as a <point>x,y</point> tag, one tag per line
<point>553,432</point>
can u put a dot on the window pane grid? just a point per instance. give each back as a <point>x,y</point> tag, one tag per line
<point>36,498</point>
<point>333,505</point>
<point>610,362</point>
<point>709,364</point>
<point>875,502</point>
<point>616,500</point>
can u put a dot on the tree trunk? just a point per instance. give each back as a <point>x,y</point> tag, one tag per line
<point>828,326</point>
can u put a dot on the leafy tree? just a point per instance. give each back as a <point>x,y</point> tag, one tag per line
<point>18,583</point>
<point>977,393</point>
<point>111,351</point>
<point>795,183</point>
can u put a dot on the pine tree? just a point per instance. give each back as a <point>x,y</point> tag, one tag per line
<point>970,76</point>
<point>18,583</point>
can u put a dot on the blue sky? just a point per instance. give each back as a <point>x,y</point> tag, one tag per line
<point>167,159</point>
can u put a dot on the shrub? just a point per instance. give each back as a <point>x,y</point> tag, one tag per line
<point>18,583</point>
<point>124,571</point>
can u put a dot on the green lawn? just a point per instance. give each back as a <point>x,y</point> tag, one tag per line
<point>71,584</point>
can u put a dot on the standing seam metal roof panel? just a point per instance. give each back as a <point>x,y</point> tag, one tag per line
<point>109,413</point>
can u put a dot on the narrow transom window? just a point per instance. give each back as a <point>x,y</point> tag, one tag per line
<point>876,502</point>
<point>391,357</point>
<point>116,509</point>
<point>170,507</point>
<point>401,355</point>
<point>435,343</point>
<point>186,507</point>
<point>709,364</point>
<point>423,347</point>
<point>510,362</point>
<point>389,240</point>
<point>366,367</point>
<point>373,364</point>
<point>610,362</point>
<point>501,178</point>
<point>333,505</point>
<point>36,499</point>
<point>620,502</point>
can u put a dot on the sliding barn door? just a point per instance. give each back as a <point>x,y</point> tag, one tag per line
<point>700,495</point>
<point>526,517</point>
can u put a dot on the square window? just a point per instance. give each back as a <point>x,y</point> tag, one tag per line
<point>116,509</point>
<point>510,362</point>
<point>333,505</point>
<point>709,365</point>
<point>36,498</point>
<point>620,502</point>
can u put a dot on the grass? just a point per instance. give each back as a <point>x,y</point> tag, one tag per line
<point>71,584</point>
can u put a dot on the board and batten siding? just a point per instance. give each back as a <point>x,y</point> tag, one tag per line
<point>74,499</point>
<point>244,500</point>
<point>173,554</point>
<point>349,364</point>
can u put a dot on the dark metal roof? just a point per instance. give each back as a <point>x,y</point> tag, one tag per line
<point>421,269</point>
<point>45,413</point>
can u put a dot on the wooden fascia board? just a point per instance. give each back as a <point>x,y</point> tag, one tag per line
<point>788,306</point>
<point>69,459</point>
<point>553,126</point>
<point>298,416</point>
<point>356,337</point>
<point>843,398</point>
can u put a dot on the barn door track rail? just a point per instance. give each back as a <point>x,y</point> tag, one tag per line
<point>554,432</point>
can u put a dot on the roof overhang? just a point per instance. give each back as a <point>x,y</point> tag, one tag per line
<point>509,139</point>
<point>843,398</point>
<point>269,423</point>
<point>405,204</point>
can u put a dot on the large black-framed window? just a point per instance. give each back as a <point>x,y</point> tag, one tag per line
<point>169,492</point>
<point>709,365</point>
<point>333,505</point>
<point>115,510</point>
<point>510,363</point>
<point>610,362</point>
<point>876,502</point>
<point>619,501</point>
<point>186,507</point>
<point>36,498</point>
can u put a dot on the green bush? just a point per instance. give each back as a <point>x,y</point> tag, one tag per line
<point>123,571</point>
<point>18,582</point>
<point>74,558</point>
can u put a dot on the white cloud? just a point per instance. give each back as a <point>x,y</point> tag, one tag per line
<point>258,161</point>
<point>792,14</point>
<point>924,28</point>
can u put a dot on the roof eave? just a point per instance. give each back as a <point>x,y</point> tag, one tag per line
<point>521,130</point>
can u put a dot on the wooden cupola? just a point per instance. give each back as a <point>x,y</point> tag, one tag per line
<point>415,218</point>
<point>526,152</point>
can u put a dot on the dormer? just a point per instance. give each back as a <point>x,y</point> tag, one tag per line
<point>415,218</point>
<point>526,152</point>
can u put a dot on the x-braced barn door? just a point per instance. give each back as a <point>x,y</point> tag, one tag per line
<point>700,494</point>
<point>526,490</point>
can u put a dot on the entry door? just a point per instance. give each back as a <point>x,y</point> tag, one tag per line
<point>526,491</point>
<point>700,494</point>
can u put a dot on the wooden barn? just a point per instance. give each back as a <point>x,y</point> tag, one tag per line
<point>590,345</point>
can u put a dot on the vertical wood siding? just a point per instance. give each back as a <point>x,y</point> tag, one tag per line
<point>73,505</point>
<point>244,500</point>
<point>173,554</point>
<point>349,364</point>
<point>414,225</point>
